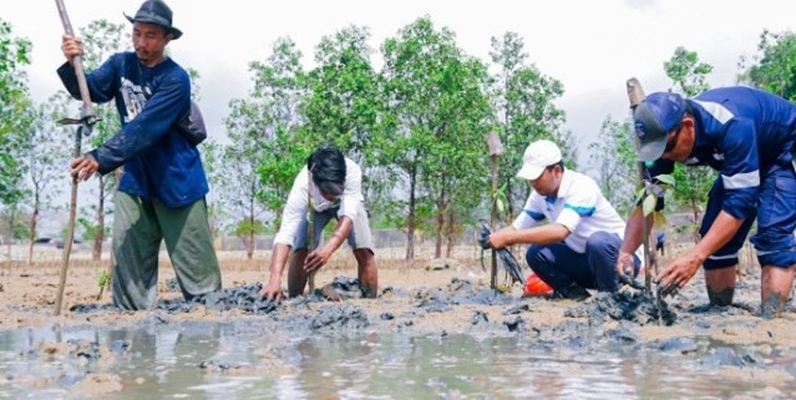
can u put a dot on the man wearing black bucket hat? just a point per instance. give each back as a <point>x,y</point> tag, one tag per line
<point>162,192</point>
<point>747,135</point>
<point>336,193</point>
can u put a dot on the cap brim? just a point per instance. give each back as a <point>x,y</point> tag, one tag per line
<point>652,151</point>
<point>530,172</point>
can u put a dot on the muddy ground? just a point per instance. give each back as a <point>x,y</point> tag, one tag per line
<point>421,297</point>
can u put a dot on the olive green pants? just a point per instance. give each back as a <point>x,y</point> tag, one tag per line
<point>139,225</point>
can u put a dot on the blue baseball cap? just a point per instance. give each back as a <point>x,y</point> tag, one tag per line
<point>653,118</point>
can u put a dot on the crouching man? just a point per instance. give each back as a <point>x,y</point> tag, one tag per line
<point>578,247</point>
<point>336,193</point>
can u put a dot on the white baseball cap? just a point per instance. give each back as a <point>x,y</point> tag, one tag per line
<point>538,156</point>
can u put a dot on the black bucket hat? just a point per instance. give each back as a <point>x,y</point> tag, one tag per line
<point>156,12</point>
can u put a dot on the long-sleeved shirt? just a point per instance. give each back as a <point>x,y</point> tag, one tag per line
<point>159,163</point>
<point>739,132</point>
<point>297,208</point>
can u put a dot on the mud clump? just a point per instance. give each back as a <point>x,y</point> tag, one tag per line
<point>337,318</point>
<point>246,298</point>
<point>633,306</point>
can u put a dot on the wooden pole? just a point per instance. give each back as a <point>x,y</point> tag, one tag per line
<point>310,229</point>
<point>495,149</point>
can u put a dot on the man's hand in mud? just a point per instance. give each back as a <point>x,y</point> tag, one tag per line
<point>84,167</point>
<point>678,273</point>
<point>316,260</point>
<point>625,269</point>
<point>272,292</point>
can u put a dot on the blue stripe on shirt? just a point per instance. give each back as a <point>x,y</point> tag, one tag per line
<point>535,215</point>
<point>582,211</point>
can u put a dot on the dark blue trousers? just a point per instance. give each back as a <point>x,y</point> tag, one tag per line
<point>559,266</point>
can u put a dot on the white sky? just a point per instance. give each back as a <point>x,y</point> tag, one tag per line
<point>591,46</point>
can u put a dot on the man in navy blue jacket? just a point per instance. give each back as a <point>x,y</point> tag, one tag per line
<point>162,191</point>
<point>747,135</point>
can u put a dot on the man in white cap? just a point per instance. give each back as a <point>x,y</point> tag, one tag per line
<point>577,248</point>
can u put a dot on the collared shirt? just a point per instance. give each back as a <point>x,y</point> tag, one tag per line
<point>579,206</point>
<point>296,208</point>
<point>738,132</point>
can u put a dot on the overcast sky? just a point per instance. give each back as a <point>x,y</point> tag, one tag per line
<point>591,46</point>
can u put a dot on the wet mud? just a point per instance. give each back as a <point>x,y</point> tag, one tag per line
<point>685,327</point>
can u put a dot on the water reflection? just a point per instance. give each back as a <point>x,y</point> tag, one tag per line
<point>163,361</point>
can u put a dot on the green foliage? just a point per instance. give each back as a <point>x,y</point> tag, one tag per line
<point>15,117</point>
<point>774,69</point>
<point>440,110</point>
<point>687,72</point>
<point>245,228</point>
<point>648,194</point>
<point>104,279</point>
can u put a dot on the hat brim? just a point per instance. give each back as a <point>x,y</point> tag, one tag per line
<point>175,33</point>
<point>530,172</point>
<point>652,151</point>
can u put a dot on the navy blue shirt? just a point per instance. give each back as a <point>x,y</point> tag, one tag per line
<point>739,132</point>
<point>159,163</point>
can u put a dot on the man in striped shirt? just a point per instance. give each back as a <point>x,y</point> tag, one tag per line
<point>578,247</point>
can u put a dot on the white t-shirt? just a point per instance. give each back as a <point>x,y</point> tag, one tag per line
<point>580,206</point>
<point>296,208</point>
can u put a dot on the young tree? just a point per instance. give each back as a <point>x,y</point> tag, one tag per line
<point>263,158</point>
<point>46,151</point>
<point>345,104</point>
<point>435,94</point>
<point>101,39</point>
<point>614,156</point>
<point>15,117</point>
<point>523,99</point>
<point>689,78</point>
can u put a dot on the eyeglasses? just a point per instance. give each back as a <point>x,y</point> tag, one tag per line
<point>672,140</point>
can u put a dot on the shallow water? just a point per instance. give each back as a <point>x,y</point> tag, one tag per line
<point>238,360</point>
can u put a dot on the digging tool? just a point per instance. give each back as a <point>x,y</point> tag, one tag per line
<point>310,229</point>
<point>635,94</point>
<point>85,124</point>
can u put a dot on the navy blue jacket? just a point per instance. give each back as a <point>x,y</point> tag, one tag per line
<point>159,163</point>
<point>740,132</point>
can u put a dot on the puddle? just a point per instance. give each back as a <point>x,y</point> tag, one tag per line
<point>245,359</point>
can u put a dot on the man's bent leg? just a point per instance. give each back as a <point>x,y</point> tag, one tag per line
<point>296,276</point>
<point>189,242</point>
<point>367,273</point>
<point>361,240</point>
<point>775,286</point>
<point>602,252</point>
<point>720,284</point>
<point>136,242</point>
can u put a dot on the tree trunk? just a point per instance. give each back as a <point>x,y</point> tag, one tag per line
<point>440,222</point>
<point>695,231</point>
<point>96,255</point>
<point>410,222</point>
<point>33,218</point>
<point>451,228</point>
<point>250,242</point>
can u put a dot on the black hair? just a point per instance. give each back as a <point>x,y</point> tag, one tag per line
<point>560,164</point>
<point>327,165</point>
